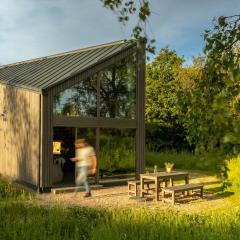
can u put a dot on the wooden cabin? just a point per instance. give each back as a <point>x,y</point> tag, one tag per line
<point>82,93</point>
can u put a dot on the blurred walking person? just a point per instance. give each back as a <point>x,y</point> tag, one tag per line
<point>85,164</point>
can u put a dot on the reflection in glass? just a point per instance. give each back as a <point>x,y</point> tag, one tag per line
<point>117,93</point>
<point>118,90</point>
<point>79,100</point>
<point>117,150</point>
<point>89,134</point>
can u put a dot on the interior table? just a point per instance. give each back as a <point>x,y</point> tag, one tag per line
<point>161,177</point>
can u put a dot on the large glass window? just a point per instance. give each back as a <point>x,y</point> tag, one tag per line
<point>89,134</point>
<point>117,93</point>
<point>79,100</point>
<point>118,90</point>
<point>117,150</point>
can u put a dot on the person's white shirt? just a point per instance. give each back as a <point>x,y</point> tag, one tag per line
<point>84,154</point>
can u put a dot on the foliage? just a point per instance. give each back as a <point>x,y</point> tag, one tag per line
<point>124,9</point>
<point>162,76</point>
<point>233,176</point>
<point>211,161</point>
<point>7,191</point>
<point>165,77</point>
<point>168,165</point>
<point>159,138</point>
<point>117,153</point>
<point>210,110</point>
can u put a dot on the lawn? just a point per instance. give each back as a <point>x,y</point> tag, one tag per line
<point>25,216</point>
<point>28,221</point>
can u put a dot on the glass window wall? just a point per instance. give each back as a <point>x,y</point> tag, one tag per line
<point>117,150</point>
<point>79,100</point>
<point>118,90</point>
<point>117,94</point>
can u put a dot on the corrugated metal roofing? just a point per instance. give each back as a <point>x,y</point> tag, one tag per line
<point>42,73</point>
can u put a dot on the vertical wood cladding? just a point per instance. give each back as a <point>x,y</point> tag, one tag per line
<point>140,131</point>
<point>19,134</point>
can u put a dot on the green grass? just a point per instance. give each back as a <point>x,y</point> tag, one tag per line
<point>185,160</point>
<point>21,221</point>
<point>9,192</point>
<point>170,225</point>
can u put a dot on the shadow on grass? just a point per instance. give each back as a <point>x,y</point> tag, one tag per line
<point>143,224</point>
<point>218,193</point>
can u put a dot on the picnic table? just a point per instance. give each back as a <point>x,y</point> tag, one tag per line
<point>158,178</point>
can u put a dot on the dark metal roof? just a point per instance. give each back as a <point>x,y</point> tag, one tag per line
<point>42,73</point>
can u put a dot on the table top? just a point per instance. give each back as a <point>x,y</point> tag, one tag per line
<point>164,174</point>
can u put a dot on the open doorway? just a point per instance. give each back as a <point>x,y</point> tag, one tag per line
<point>117,156</point>
<point>64,149</point>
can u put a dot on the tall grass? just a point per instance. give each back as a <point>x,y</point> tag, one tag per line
<point>20,221</point>
<point>186,160</point>
<point>23,221</point>
<point>9,192</point>
<point>143,224</point>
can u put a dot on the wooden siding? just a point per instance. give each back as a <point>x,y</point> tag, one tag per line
<point>47,140</point>
<point>20,134</point>
<point>140,113</point>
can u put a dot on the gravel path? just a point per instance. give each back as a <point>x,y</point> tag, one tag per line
<point>116,197</point>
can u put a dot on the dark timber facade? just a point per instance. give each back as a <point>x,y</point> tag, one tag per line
<point>30,92</point>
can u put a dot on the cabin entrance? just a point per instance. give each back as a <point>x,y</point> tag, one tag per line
<point>64,149</point>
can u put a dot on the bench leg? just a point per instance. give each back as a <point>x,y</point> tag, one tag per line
<point>173,198</point>
<point>141,187</point>
<point>135,190</point>
<point>187,182</point>
<point>128,189</point>
<point>201,192</point>
<point>163,196</point>
<point>156,190</point>
<point>166,183</point>
<point>171,182</point>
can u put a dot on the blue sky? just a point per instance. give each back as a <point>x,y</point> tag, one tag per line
<point>34,28</point>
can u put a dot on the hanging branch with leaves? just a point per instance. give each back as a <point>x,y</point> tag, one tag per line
<point>124,9</point>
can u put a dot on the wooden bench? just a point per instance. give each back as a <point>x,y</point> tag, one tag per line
<point>180,188</point>
<point>133,187</point>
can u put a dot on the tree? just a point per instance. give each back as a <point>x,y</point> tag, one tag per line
<point>124,9</point>
<point>162,78</point>
<point>211,111</point>
<point>165,77</point>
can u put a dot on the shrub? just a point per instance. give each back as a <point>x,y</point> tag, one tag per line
<point>117,153</point>
<point>160,138</point>
<point>233,174</point>
<point>7,191</point>
<point>212,161</point>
